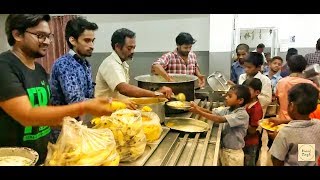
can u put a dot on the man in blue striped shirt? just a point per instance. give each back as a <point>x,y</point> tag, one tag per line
<point>71,77</point>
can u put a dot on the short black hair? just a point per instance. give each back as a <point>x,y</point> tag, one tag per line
<point>261,46</point>
<point>185,38</point>
<point>318,44</point>
<point>297,63</point>
<point>291,52</point>
<point>305,97</point>
<point>75,27</point>
<point>243,92</point>
<point>22,22</point>
<point>120,35</point>
<point>267,54</point>
<point>276,57</point>
<point>253,83</point>
<point>254,58</point>
<point>242,46</point>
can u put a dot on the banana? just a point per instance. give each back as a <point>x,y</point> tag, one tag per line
<point>96,160</point>
<point>146,109</point>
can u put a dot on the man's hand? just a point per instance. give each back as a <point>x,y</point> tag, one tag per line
<point>97,106</point>
<point>202,81</point>
<point>166,91</point>
<point>130,104</point>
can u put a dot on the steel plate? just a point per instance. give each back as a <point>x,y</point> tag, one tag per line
<point>186,124</point>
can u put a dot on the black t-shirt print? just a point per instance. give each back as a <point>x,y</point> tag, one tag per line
<point>17,80</point>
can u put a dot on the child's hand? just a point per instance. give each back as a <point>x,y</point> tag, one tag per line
<point>275,121</point>
<point>194,107</point>
<point>272,134</point>
<point>230,83</point>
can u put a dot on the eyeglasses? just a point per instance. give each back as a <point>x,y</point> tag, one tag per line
<point>42,37</point>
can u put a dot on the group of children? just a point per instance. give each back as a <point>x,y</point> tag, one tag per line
<point>246,104</point>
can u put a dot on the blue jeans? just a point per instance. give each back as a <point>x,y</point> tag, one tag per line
<point>250,154</point>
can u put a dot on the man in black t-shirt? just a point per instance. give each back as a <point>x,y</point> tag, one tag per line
<point>25,91</point>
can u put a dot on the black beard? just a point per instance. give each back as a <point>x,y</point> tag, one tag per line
<point>31,53</point>
<point>36,55</point>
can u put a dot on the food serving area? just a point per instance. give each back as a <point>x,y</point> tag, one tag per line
<point>177,148</point>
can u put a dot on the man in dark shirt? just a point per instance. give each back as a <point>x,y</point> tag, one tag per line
<point>314,58</point>
<point>25,92</point>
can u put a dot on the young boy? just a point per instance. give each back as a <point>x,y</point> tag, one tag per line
<point>236,121</point>
<point>298,143</point>
<point>254,109</point>
<point>253,65</point>
<point>297,65</point>
<point>273,73</point>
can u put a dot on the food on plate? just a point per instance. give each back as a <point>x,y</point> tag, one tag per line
<point>15,161</point>
<point>177,104</point>
<point>170,124</point>
<point>266,124</point>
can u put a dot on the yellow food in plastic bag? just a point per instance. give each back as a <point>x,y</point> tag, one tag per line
<point>126,126</point>
<point>151,126</point>
<point>146,109</point>
<point>79,145</point>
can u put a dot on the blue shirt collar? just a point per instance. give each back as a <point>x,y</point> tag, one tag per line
<point>237,64</point>
<point>277,75</point>
<point>82,61</point>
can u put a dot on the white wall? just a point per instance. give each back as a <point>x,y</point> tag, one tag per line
<point>303,26</point>
<point>221,42</point>
<point>255,39</point>
<point>155,35</point>
<point>221,31</point>
<point>3,38</point>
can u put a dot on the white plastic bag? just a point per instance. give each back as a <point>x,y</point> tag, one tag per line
<point>79,145</point>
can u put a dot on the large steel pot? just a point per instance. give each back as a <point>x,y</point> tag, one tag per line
<point>183,84</point>
<point>156,104</point>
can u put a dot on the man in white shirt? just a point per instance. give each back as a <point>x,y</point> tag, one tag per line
<point>112,79</point>
<point>252,65</point>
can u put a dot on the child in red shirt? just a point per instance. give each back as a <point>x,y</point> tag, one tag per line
<point>315,114</point>
<point>254,109</point>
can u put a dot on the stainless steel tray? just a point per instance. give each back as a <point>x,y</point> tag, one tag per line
<point>186,124</point>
